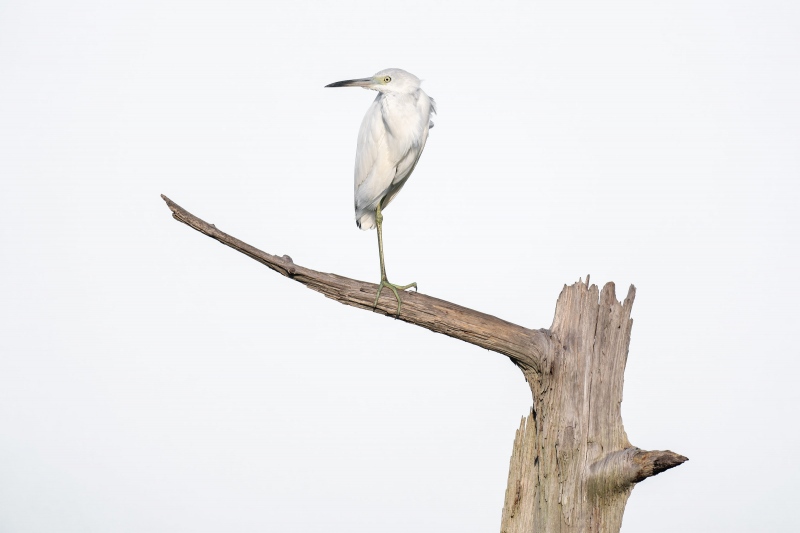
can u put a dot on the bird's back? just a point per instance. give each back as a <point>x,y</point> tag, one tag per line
<point>390,142</point>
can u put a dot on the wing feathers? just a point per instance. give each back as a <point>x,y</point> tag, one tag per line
<point>391,139</point>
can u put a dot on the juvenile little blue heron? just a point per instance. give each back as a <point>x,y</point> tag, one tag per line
<point>390,141</point>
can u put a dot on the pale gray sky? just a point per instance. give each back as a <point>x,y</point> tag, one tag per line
<point>152,380</point>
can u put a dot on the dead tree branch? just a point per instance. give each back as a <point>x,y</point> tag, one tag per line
<point>524,346</point>
<point>572,466</point>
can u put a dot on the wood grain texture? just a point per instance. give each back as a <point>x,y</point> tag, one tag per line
<point>524,346</point>
<point>572,466</point>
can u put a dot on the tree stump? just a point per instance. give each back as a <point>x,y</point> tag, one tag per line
<point>572,467</point>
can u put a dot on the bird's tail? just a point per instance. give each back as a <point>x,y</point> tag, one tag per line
<point>366,221</point>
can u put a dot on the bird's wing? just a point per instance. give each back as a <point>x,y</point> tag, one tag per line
<point>411,149</point>
<point>390,143</point>
<point>404,169</point>
<point>375,166</point>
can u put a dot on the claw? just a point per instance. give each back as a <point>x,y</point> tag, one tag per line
<point>394,288</point>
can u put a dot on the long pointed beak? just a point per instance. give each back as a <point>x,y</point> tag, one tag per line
<point>363,82</point>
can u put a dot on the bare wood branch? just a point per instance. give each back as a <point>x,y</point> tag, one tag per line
<point>652,463</point>
<point>617,471</point>
<point>526,347</point>
<point>572,466</point>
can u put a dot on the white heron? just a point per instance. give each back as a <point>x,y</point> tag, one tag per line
<point>390,141</point>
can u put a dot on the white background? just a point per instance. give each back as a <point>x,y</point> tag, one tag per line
<point>152,380</point>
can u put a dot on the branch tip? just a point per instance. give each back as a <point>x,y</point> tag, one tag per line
<point>652,463</point>
<point>617,471</point>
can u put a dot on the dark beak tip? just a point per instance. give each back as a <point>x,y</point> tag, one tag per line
<point>350,83</point>
<point>344,83</point>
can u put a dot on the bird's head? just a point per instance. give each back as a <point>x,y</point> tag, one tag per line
<point>391,80</point>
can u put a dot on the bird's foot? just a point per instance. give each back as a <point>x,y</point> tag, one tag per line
<point>385,283</point>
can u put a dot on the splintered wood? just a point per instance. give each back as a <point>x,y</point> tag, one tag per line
<point>572,467</point>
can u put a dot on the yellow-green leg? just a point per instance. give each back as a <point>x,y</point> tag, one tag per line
<point>385,282</point>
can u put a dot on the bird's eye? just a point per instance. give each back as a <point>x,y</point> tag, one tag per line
<point>387,79</point>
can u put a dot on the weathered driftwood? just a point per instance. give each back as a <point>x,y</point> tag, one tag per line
<point>572,467</point>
